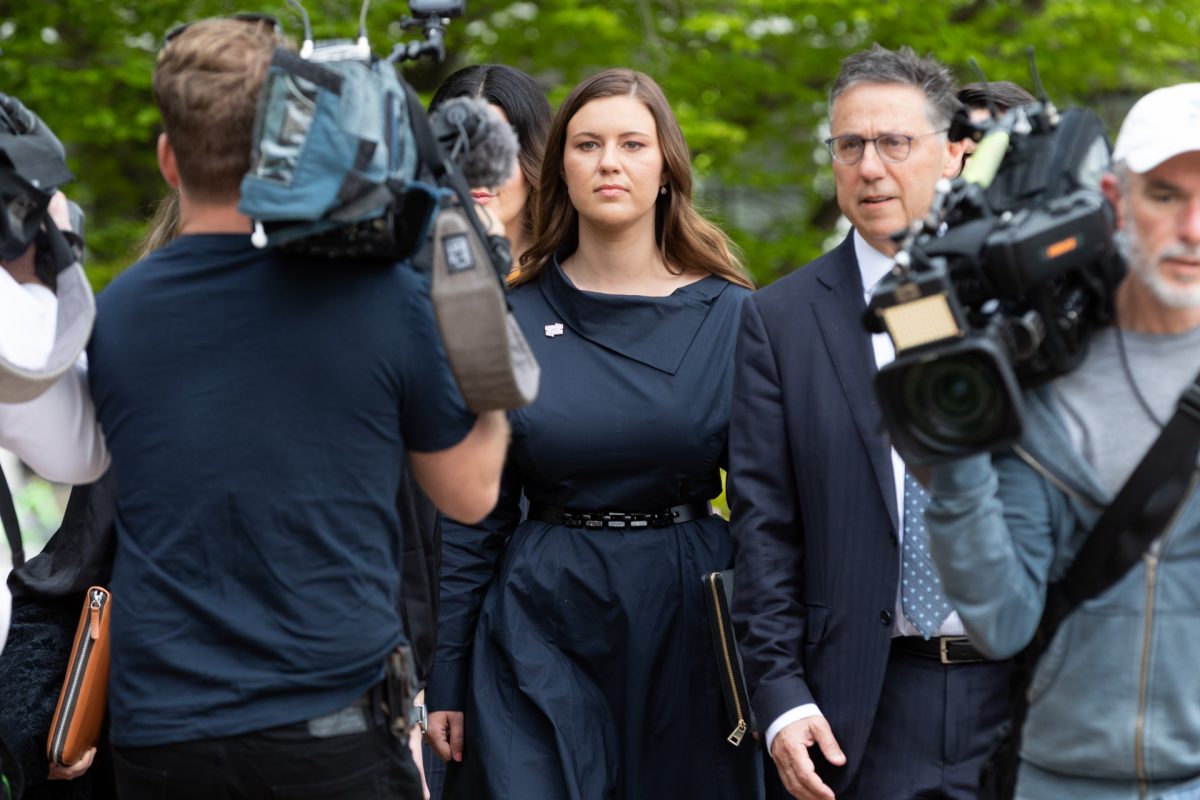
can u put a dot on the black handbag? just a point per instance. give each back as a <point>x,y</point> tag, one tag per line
<point>718,587</point>
<point>47,591</point>
<point>1143,508</point>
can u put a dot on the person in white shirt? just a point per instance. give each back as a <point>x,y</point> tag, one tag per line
<point>46,413</point>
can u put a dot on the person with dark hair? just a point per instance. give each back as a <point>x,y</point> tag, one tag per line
<point>258,408</point>
<point>574,658</point>
<point>984,97</point>
<point>518,99</point>
<point>857,667</point>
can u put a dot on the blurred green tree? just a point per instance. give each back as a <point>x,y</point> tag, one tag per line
<point>747,80</point>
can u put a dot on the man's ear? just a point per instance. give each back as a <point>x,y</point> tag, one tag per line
<point>954,160</point>
<point>1110,184</point>
<point>167,164</point>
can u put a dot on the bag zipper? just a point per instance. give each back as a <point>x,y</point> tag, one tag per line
<point>90,634</point>
<point>734,738</point>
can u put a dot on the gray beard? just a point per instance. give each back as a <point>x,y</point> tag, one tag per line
<point>1170,295</point>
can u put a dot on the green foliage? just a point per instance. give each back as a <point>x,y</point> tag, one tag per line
<point>747,79</point>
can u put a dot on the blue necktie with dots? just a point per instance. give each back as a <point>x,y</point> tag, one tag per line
<point>921,596</point>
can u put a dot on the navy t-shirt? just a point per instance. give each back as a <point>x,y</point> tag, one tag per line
<point>257,411</point>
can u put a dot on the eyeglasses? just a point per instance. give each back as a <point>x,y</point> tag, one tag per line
<point>251,17</point>
<point>891,147</point>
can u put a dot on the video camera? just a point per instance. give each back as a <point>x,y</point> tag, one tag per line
<point>345,165</point>
<point>1000,286</point>
<point>32,167</point>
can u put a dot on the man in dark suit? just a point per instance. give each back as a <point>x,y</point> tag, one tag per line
<point>850,647</point>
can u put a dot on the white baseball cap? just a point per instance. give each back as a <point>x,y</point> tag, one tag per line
<point>1160,126</point>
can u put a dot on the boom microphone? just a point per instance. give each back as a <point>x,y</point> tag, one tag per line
<point>477,140</point>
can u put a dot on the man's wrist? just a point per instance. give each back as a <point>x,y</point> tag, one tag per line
<point>787,718</point>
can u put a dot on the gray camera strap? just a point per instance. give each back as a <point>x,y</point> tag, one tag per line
<point>1142,510</point>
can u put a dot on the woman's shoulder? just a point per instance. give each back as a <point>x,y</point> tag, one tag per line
<point>724,290</point>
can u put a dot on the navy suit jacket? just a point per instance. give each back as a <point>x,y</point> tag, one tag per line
<point>813,505</point>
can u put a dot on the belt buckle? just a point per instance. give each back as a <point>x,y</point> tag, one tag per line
<point>943,645</point>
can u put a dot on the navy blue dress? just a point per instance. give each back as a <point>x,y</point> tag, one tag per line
<point>582,657</point>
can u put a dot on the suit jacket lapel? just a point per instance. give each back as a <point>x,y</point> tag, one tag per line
<point>839,316</point>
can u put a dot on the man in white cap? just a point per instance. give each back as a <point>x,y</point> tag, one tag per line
<point>1114,711</point>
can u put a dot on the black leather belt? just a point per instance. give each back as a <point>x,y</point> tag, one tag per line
<point>619,519</point>
<point>946,649</point>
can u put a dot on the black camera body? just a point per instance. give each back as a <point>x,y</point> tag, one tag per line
<point>1001,287</point>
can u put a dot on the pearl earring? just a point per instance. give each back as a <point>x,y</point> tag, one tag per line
<point>662,190</point>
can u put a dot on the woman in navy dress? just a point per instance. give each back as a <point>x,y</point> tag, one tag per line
<point>520,101</point>
<point>574,656</point>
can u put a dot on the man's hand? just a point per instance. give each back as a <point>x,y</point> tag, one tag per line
<point>446,734</point>
<point>22,268</point>
<point>796,769</point>
<point>73,771</point>
<point>59,210</point>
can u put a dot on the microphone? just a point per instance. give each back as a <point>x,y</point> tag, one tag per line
<point>477,140</point>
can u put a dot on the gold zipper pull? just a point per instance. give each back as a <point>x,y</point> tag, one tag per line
<point>738,734</point>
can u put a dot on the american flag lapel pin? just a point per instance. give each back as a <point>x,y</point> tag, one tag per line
<point>555,329</point>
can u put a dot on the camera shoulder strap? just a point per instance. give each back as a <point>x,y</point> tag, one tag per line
<point>12,527</point>
<point>1143,509</point>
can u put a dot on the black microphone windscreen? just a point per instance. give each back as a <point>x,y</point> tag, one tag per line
<point>477,139</point>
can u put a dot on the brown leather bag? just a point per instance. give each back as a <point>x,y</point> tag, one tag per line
<point>76,724</point>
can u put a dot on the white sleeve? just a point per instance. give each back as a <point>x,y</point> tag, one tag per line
<point>27,323</point>
<point>56,433</point>
<point>787,718</point>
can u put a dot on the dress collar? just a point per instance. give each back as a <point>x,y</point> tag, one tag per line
<point>656,331</point>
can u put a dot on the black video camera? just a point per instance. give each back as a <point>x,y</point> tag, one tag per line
<point>1000,287</point>
<point>32,166</point>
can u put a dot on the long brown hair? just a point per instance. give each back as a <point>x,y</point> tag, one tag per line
<point>686,240</point>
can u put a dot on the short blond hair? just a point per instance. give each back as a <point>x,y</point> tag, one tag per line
<point>206,85</point>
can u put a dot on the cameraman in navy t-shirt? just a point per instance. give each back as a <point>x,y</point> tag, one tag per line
<point>258,410</point>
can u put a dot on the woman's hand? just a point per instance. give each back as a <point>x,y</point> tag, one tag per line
<point>445,734</point>
<point>73,771</point>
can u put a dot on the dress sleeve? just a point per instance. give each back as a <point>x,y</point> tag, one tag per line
<point>992,530</point>
<point>469,557</point>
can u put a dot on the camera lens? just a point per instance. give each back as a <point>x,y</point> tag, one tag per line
<point>957,400</point>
